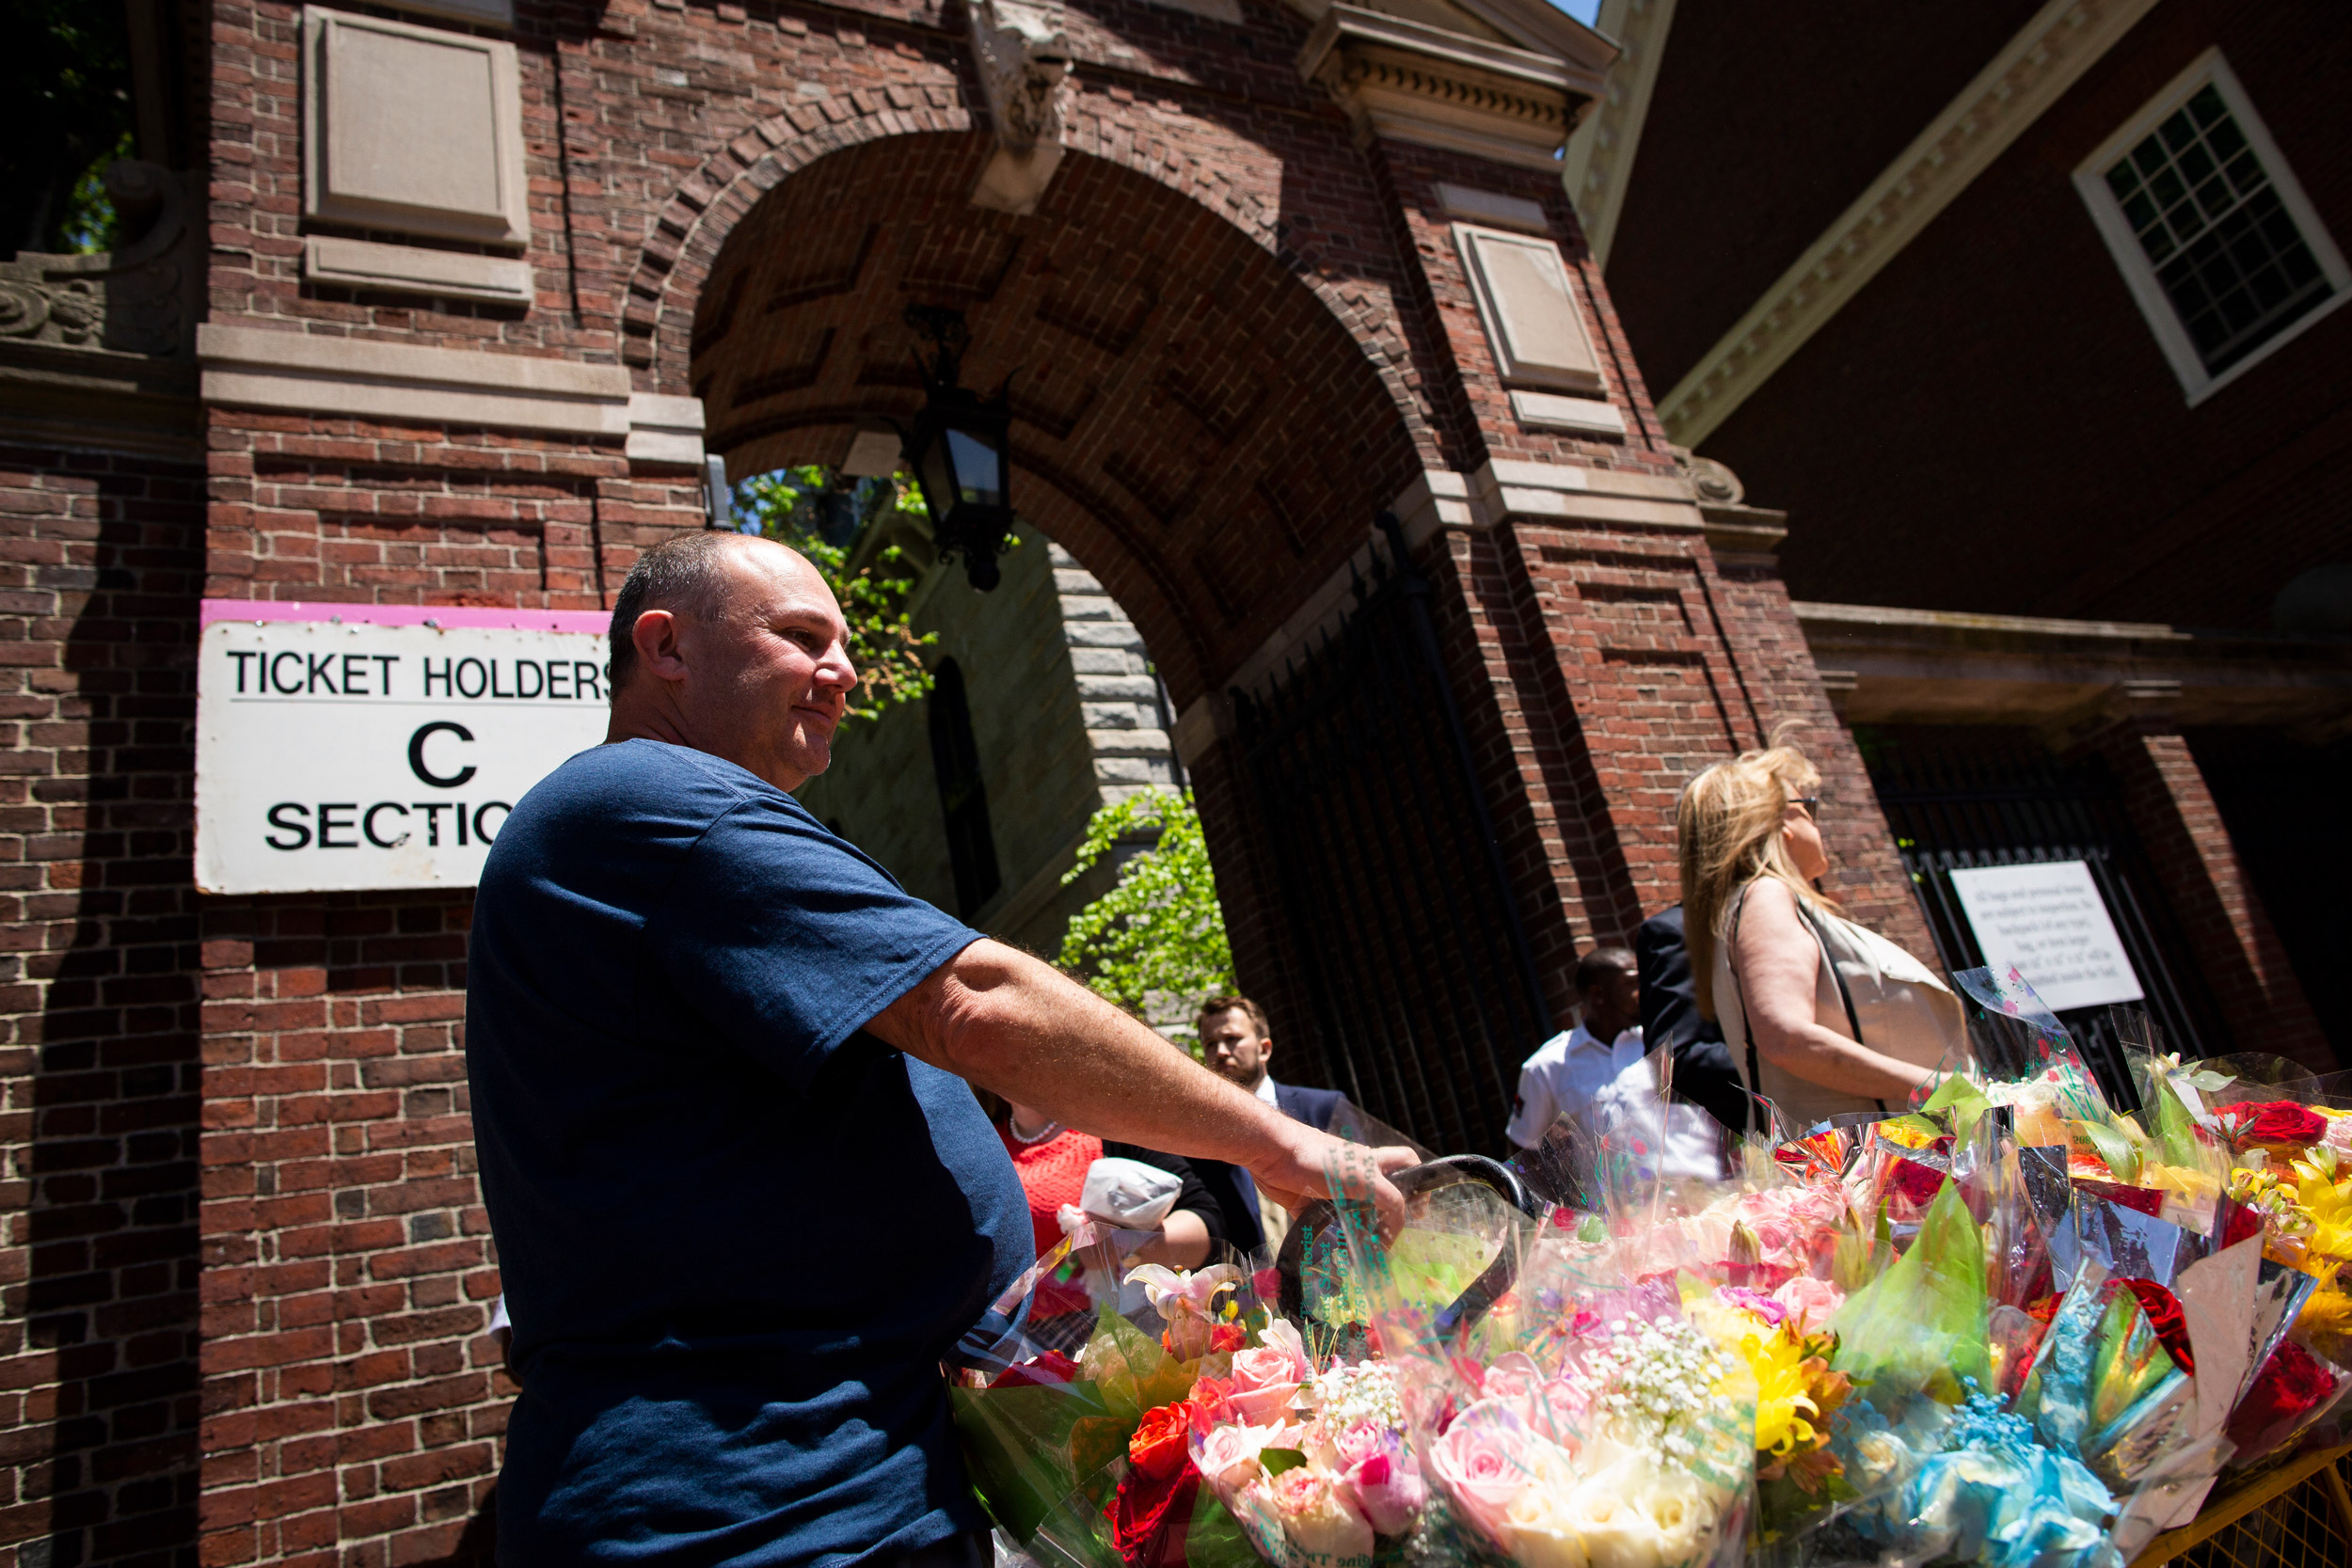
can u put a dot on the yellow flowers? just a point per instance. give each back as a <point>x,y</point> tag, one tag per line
<point>1795,1390</point>
<point>1777,1359</point>
<point>2328,1203</point>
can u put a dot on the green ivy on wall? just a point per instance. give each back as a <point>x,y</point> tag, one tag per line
<point>1156,942</point>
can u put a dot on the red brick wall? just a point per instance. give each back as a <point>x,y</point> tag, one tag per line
<point>1779,681</point>
<point>352,1398</point>
<point>344,511</point>
<point>1479,405</point>
<point>352,1401</point>
<point>100,559</point>
<point>1990,424</point>
<point>2230,936</point>
<point>1599,667</point>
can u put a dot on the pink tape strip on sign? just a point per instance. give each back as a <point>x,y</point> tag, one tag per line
<point>594,621</point>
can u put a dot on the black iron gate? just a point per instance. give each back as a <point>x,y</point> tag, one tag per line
<point>1417,968</point>
<point>1997,798</point>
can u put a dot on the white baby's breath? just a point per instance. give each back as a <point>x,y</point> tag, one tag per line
<point>1363,1392</point>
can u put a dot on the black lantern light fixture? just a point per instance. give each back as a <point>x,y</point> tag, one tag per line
<point>961,450</point>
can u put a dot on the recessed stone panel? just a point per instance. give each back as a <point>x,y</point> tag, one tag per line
<point>411,129</point>
<point>1529,308</point>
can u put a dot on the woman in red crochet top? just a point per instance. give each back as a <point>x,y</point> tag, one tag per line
<point>1052,1162</point>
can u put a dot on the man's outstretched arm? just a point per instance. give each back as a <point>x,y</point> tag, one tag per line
<point>998,1018</point>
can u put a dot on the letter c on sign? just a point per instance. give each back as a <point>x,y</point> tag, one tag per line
<point>416,754</point>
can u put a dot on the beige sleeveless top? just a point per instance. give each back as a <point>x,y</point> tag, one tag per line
<point>1904,1010</point>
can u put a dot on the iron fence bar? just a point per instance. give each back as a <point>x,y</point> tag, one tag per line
<point>1295,827</point>
<point>1309,955</point>
<point>1376,748</point>
<point>1363,777</point>
<point>1431,815</point>
<point>1319,752</point>
<point>1416,595</point>
<point>1987,809</point>
<point>1381,654</point>
<point>1385,1008</point>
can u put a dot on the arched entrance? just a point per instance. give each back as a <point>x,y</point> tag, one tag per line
<point>1191,420</point>
<point>1196,425</point>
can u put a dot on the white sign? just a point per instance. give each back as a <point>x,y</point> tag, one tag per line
<point>367,746</point>
<point>2050,923</point>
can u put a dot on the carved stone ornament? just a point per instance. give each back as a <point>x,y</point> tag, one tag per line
<point>1713,480</point>
<point>141,299</point>
<point>1023,59</point>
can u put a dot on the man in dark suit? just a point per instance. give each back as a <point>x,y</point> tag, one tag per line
<point>1703,1071</point>
<point>1237,1045</point>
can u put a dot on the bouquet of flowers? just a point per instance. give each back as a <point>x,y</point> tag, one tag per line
<point>1086,1460</point>
<point>1314,1466</point>
<point>2014,1325</point>
<point>1578,1421</point>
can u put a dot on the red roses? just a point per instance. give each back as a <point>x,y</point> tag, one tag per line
<point>1157,1449</point>
<point>2276,1124</point>
<point>2291,1383</point>
<point>1151,1510</point>
<point>2164,1316</point>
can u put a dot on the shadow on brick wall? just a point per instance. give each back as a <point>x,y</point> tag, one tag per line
<point>104,935</point>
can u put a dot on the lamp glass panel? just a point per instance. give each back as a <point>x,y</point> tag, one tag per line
<point>939,480</point>
<point>978,475</point>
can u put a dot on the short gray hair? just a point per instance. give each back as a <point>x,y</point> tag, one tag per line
<point>681,573</point>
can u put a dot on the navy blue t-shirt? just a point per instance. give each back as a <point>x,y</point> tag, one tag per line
<point>736,1232</point>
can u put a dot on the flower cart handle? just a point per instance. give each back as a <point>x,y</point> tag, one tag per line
<point>1500,1274</point>
<point>1476,1167</point>
<point>1490,1287</point>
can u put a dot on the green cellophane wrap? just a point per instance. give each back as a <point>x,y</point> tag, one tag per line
<point>1920,1327</point>
<point>1022,1447</point>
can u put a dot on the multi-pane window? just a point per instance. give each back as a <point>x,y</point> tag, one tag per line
<point>2219,244</point>
<point>2223,245</point>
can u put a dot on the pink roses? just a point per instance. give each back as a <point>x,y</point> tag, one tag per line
<point>1263,1380</point>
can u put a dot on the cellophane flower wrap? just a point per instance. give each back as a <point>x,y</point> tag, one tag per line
<point>1569,1425</point>
<point>1086,1458</point>
<point>1314,1464</point>
<point>2018,1325</point>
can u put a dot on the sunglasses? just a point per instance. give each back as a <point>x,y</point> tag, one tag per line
<point>1810,804</point>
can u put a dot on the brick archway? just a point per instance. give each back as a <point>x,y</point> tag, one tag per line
<point>1192,419</point>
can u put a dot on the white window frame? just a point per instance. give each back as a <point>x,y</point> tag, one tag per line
<point>2198,383</point>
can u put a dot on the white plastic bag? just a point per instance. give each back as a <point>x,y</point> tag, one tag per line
<point>1130,1194</point>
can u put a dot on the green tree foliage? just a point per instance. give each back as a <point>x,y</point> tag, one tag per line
<point>812,510</point>
<point>65,114</point>
<point>1154,943</point>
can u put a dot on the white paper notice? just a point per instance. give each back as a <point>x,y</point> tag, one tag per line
<point>2050,923</point>
<point>355,746</point>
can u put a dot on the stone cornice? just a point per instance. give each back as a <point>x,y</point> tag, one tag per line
<point>1601,154</point>
<point>1536,24</point>
<point>1893,665</point>
<point>364,379</point>
<point>1416,83</point>
<point>2064,39</point>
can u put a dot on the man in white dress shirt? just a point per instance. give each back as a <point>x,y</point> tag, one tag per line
<point>1597,1076</point>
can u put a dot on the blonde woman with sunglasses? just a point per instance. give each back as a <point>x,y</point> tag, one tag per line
<point>1823,1017</point>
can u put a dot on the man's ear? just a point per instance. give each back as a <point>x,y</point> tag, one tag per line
<point>656,639</point>
<point>1265,1052</point>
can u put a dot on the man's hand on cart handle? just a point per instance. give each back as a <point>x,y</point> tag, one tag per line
<point>1334,1168</point>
